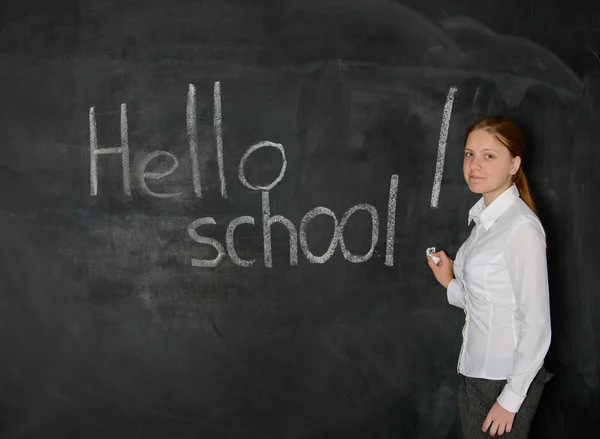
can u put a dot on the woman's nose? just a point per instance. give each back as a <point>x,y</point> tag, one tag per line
<point>475,163</point>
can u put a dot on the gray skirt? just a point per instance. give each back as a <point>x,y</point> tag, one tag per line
<point>476,396</point>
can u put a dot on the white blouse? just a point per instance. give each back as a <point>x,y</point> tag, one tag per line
<point>501,282</point>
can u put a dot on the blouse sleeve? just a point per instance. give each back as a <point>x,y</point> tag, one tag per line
<point>527,266</point>
<point>456,293</point>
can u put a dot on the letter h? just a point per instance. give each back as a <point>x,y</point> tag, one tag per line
<point>123,150</point>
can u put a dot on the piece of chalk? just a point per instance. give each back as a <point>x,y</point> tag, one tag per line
<point>430,253</point>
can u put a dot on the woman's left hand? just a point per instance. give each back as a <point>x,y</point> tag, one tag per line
<point>499,420</point>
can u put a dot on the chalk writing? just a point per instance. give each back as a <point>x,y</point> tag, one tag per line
<point>269,219</point>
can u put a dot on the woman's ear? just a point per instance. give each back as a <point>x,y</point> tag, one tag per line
<point>515,165</point>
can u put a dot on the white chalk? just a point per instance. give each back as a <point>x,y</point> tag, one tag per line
<point>230,240</point>
<point>208,263</point>
<point>357,259</point>
<point>391,224</point>
<point>304,241</point>
<point>268,221</point>
<point>430,253</point>
<point>217,121</point>
<point>192,132</point>
<point>95,151</point>
<point>143,175</point>
<point>125,150</point>
<point>253,148</point>
<point>441,156</point>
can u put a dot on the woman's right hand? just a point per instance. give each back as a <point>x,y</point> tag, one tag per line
<point>444,270</point>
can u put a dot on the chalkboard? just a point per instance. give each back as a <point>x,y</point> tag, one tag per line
<point>214,214</point>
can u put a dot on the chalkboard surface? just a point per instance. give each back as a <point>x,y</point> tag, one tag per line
<point>214,214</point>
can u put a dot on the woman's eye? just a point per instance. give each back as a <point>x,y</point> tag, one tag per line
<point>468,154</point>
<point>489,156</point>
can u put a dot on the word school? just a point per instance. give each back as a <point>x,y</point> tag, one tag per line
<point>268,220</point>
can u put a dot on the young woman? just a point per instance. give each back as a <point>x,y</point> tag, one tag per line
<point>500,279</point>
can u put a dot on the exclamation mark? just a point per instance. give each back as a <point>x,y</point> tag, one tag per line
<point>441,156</point>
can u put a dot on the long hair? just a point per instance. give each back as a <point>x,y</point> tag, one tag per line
<point>508,133</point>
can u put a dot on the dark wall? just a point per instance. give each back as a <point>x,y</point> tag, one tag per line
<point>109,324</point>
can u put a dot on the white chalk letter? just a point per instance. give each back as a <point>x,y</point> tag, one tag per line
<point>209,263</point>
<point>95,151</point>
<point>231,242</point>
<point>391,222</point>
<point>441,156</point>
<point>374,233</point>
<point>253,148</point>
<point>304,243</point>
<point>268,221</point>
<point>217,119</point>
<point>143,175</point>
<point>192,132</point>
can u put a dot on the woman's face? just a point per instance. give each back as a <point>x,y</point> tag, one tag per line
<point>488,166</point>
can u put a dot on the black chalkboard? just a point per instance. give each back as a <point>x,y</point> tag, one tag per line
<point>214,213</point>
